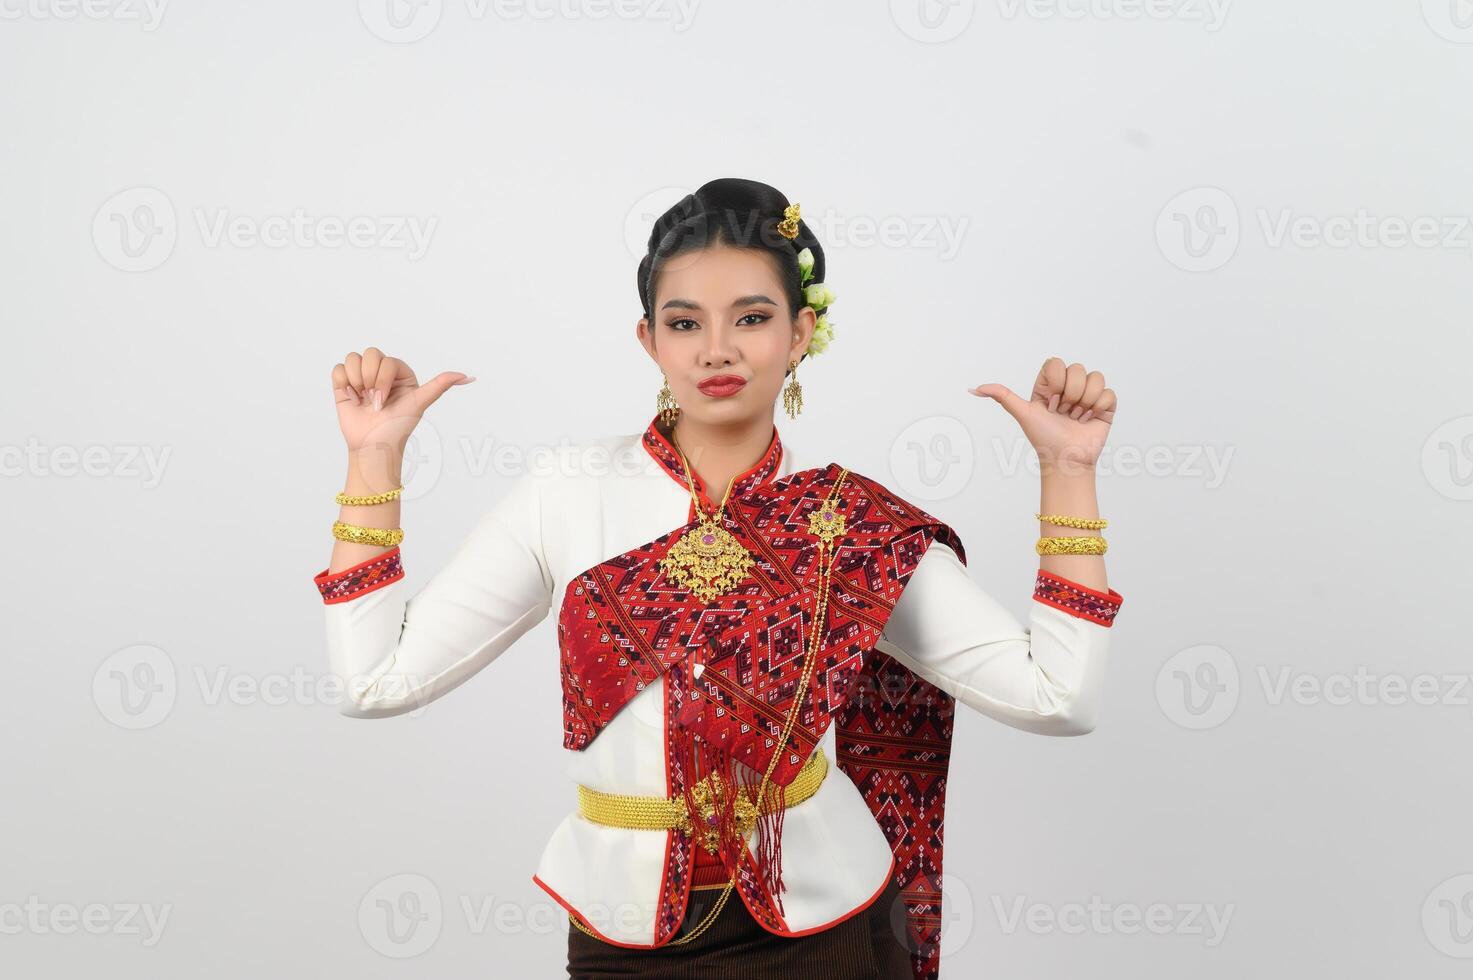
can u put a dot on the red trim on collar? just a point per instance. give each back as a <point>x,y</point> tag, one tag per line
<point>663,451</point>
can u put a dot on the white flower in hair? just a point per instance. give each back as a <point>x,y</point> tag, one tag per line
<point>819,296</point>
<point>805,265</point>
<point>823,333</point>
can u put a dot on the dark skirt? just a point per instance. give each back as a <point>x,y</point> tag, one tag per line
<point>869,945</point>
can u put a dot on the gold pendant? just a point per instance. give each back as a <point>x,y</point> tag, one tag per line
<point>708,560</point>
<point>826,522</point>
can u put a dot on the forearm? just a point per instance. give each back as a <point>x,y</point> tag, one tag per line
<point>1071,491</point>
<point>370,471</point>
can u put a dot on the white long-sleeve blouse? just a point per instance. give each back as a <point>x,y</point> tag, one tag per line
<point>395,651</point>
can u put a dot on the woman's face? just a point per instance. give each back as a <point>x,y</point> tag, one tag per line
<point>721,312</point>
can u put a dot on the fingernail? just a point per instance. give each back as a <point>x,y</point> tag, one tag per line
<point>1086,416</point>
<point>470,379</point>
<point>378,400</point>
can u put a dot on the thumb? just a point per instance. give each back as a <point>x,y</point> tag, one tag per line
<point>1005,397</point>
<point>431,390</point>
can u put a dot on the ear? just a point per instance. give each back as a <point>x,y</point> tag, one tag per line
<point>646,336</point>
<point>803,326</point>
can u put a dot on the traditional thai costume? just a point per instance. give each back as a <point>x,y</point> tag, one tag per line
<point>684,644</point>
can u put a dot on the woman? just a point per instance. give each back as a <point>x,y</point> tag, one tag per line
<point>698,686</point>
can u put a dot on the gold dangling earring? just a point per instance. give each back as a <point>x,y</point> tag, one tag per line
<point>793,393</point>
<point>665,403</point>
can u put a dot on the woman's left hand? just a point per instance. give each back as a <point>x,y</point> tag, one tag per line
<point>1067,417</point>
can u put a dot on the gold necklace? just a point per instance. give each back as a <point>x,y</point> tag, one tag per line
<point>708,559</point>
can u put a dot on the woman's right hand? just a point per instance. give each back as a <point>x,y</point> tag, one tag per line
<point>380,401</point>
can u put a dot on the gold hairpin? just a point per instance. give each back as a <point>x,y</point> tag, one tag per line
<point>788,227</point>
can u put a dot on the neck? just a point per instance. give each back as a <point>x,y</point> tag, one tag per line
<point>719,452</point>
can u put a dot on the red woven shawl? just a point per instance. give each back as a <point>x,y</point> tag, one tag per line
<point>623,624</point>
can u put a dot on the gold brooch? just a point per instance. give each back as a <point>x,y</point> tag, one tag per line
<point>706,800</point>
<point>826,522</point>
<point>788,227</point>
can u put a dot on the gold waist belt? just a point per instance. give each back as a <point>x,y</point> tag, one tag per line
<point>669,813</point>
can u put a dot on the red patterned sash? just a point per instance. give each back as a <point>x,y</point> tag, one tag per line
<point>623,624</point>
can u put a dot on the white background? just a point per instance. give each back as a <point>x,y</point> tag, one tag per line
<point>1253,217</point>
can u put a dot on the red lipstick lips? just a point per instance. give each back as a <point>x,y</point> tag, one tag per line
<point>722,386</point>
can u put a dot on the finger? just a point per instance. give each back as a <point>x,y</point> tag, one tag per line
<point>1094,383</point>
<point>372,359</point>
<point>388,369</point>
<point>429,392</point>
<point>1104,406</point>
<point>1050,379</point>
<point>341,389</point>
<point>1073,387</point>
<point>1004,396</point>
<point>353,364</point>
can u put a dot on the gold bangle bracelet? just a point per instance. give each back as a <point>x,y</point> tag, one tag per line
<point>1082,523</point>
<point>385,537</point>
<point>1084,544</point>
<point>372,498</point>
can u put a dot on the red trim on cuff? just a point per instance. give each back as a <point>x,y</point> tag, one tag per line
<point>1077,600</point>
<point>360,579</point>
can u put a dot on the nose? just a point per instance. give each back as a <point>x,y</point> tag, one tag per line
<point>718,351</point>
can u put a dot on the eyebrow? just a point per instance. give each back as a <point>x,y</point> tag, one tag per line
<point>685,304</point>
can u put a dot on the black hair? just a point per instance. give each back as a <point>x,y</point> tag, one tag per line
<point>736,212</point>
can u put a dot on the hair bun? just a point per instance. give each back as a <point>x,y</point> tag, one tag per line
<point>744,213</point>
